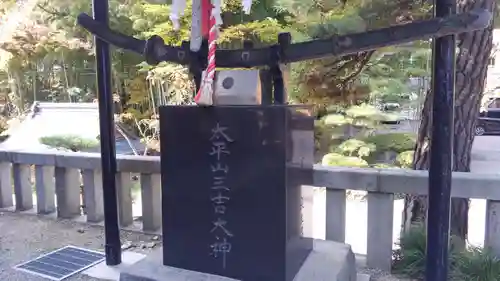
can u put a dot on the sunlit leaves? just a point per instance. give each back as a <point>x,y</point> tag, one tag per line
<point>345,80</point>
<point>260,32</point>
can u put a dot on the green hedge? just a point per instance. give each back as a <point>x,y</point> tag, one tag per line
<point>354,147</point>
<point>71,142</point>
<point>397,142</point>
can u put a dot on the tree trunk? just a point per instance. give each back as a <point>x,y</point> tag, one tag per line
<point>471,69</point>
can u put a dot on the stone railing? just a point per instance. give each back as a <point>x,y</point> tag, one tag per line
<point>55,179</point>
<point>381,185</point>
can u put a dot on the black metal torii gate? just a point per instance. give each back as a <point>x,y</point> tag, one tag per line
<point>443,27</point>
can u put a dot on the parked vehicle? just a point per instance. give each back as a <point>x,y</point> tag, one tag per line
<point>488,122</point>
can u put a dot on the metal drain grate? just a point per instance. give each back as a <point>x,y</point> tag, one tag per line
<point>61,264</point>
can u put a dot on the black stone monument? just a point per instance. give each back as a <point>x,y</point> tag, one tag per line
<point>232,195</point>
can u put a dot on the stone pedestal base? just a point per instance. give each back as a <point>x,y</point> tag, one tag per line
<point>329,261</point>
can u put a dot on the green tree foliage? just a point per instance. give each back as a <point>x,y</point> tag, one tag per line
<point>54,39</point>
<point>350,79</point>
<point>389,71</point>
<point>53,58</point>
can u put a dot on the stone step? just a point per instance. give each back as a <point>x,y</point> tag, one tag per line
<point>329,261</point>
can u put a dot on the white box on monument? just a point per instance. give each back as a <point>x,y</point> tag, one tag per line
<point>237,87</point>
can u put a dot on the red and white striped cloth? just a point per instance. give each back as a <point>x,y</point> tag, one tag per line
<point>206,91</point>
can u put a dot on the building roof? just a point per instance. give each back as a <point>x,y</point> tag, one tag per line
<point>63,119</point>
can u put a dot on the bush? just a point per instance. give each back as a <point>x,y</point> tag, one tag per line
<point>405,159</point>
<point>409,259</point>
<point>365,116</point>
<point>468,264</point>
<point>397,142</point>
<point>352,146</point>
<point>365,111</point>
<point>336,120</point>
<point>476,264</point>
<point>70,142</point>
<point>335,159</point>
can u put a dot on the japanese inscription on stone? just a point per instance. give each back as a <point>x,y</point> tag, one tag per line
<point>220,193</point>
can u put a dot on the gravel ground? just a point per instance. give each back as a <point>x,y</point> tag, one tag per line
<point>377,275</point>
<point>23,237</point>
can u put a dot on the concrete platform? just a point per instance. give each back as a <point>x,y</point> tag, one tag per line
<point>102,271</point>
<point>329,261</point>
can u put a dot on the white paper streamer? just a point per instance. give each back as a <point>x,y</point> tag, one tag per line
<point>247,6</point>
<point>216,12</point>
<point>196,36</point>
<point>178,7</point>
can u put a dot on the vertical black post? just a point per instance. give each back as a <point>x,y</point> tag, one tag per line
<point>107,132</point>
<point>441,150</point>
<point>194,66</point>
<point>284,39</point>
<point>266,82</point>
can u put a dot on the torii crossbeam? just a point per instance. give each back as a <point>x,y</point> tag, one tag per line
<point>154,50</point>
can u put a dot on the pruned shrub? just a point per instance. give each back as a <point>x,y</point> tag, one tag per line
<point>336,120</point>
<point>397,142</point>
<point>354,147</point>
<point>70,142</point>
<point>335,159</point>
<point>405,159</point>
